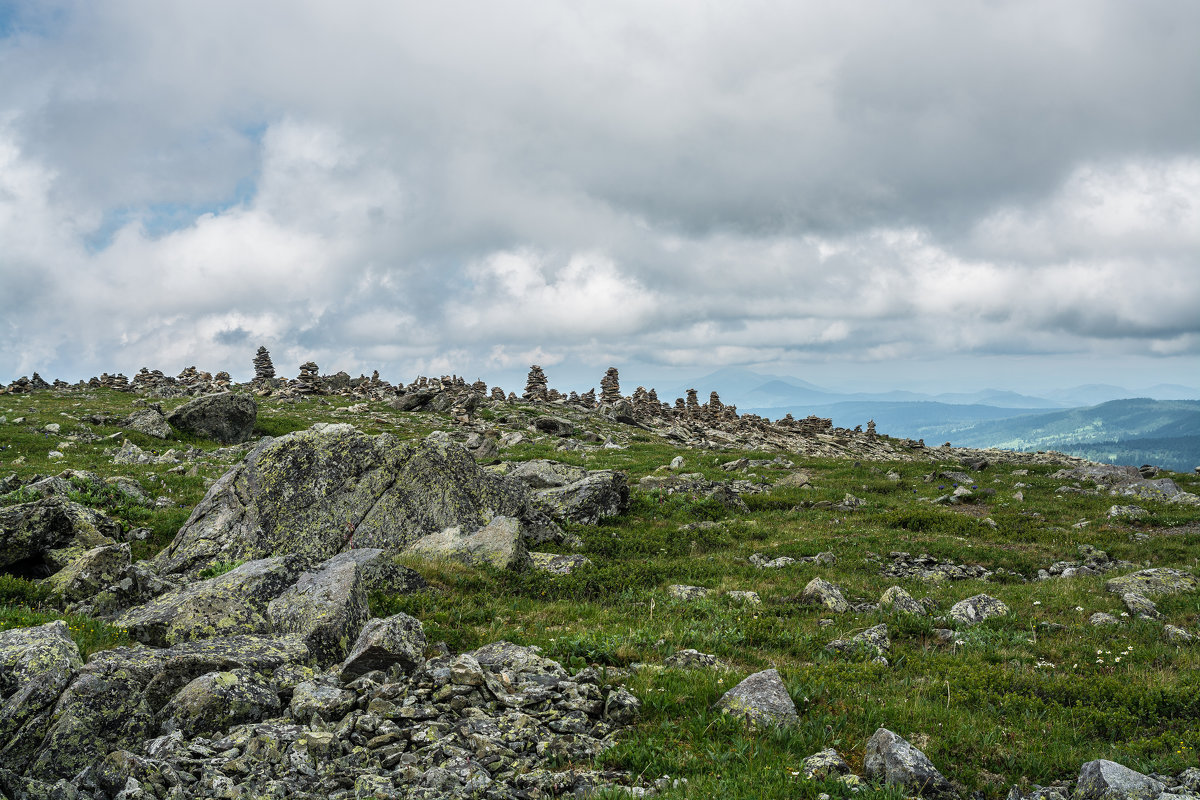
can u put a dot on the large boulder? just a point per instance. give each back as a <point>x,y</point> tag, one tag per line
<point>216,701</point>
<point>227,418</point>
<point>497,544</point>
<point>226,605</point>
<point>36,664</point>
<point>760,699</point>
<point>821,592</point>
<point>1160,580</point>
<point>316,493</point>
<point>379,570</point>
<point>151,422</point>
<point>1108,780</point>
<point>891,759</point>
<point>39,538</point>
<point>326,608</point>
<point>602,494</point>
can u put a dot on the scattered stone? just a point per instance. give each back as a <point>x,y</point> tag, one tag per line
<point>896,599</point>
<point>874,642</point>
<point>824,765</point>
<point>216,701</point>
<point>149,421</point>
<point>398,641</point>
<point>1127,512</point>
<point>681,592</point>
<point>761,699</point>
<point>1100,619</point>
<point>557,564</point>
<point>1177,635</point>
<point>893,760</point>
<point>693,659</point>
<point>1158,580</point>
<point>1108,780</point>
<point>976,609</point>
<point>823,593</point>
<point>750,598</point>
<point>325,608</point>
<point>1139,605</point>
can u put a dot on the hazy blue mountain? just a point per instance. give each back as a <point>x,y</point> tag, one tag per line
<point>1090,394</point>
<point>998,397</point>
<point>734,385</point>
<point>915,420</point>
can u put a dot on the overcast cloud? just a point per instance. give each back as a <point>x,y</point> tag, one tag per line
<point>900,189</point>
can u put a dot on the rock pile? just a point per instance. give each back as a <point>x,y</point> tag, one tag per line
<point>308,381</point>
<point>535,384</point>
<point>610,387</point>
<point>264,370</point>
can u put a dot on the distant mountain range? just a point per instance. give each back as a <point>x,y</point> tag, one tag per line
<point>1099,422</point>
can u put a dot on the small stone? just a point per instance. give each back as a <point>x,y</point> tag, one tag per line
<point>761,699</point>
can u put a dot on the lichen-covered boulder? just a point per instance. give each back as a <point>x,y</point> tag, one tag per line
<point>897,600</point>
<point>891,759</point>
<point>320,698</point>
<point>557,564</point>
<point>825,764</point>
<point>821,592</point>
<point>1108,780</point>
<point>151,422</point>
<point>873,642</point>
<point>216,701</point>
<point>316,493</point>
<point>226,605</point>
<point>601,495</point>
<point>227,418</point>
<point>498,544</point>
<point>92,571</point>
<point>555,426</point>
<point>39,538</point>
<point>379,571</point>
<point>326,608</point>
<point>976,609</point>
<point>1147,582</point>
<point>760,699</point>
<point>36,664</point>
<point>541,473</point>
<point>504,656</point>
<point>384,643</point>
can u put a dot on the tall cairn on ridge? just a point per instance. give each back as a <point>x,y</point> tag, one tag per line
<point>535,384</point>
<point>693,402</point>
<point>264,370</point>
<point>610,387</point>
<point>308,378</point>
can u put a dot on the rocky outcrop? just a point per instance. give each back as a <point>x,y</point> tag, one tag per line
<point>326,608</point>
<point>39,538</point>
<point>1108,780</point>
<point>36,664</point>
<point>227,418</point>
<point>318,492</point>
<point>1147,582</point>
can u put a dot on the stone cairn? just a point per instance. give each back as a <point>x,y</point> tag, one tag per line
<point>588,398</point>
<point>693,402</point>
<point>871,428</point>
<point>498,394</point>
<point>117,382</point>
<point>308,381</point>
<point>264,370</point>
<point>610,387</point>
<point>535,384</point>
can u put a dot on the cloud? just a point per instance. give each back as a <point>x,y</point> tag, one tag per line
<point>410,187</point>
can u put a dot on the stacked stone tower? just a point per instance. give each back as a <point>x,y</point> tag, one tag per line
<point>264,370</point>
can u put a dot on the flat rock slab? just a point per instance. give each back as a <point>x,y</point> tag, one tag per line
<point>1147,582</point>
<point>316,493</point>
<point>761,699</point>
<point>498,544</point>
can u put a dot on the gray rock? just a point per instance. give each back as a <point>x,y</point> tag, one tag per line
<point>543,473</point>
<point>227,418</point>
<point>1177,635</point>
<point>693,659</point>
<point>822,592</point>
<point>412,401</point>
<point>39,538</point>
<point>622,708</point>
<point>553,426</point>
<point>227,605</point>
<point>1100,619</point>
<point>36,664</point>
<point>216,701</point>
<point>976,609</point>
<point>379,571</point>
<point>1108,780</point>
<point>600,495</point>
<point>322,698</point>
<point>557,564</point>
<point>325,608</point>
<point>873,642</point>
<point>149,421</point>
<point>498,544</point>
<point>681,592</point>
<point>92,571</point>
<point>761,699</point>
<point>896,599</point>
<point>1147,582</point>
<point>383,643</point>
<point>823,765</point>
<point>315,493</point>
<point>1126,512</point>
<point>1139,605</point>
<point>894,761</point>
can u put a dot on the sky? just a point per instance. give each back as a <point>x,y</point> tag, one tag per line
<point>939,196</point>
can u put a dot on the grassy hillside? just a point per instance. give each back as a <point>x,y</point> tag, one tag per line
<point>1020,699</point>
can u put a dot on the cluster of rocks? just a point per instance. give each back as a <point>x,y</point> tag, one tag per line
<point>926,567</point>
<point>1125,481</point>
<point>262,716</point>
<point>1091,562</point>
<point>24,385</point>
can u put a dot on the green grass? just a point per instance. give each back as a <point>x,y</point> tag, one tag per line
<point>1011,702</point>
